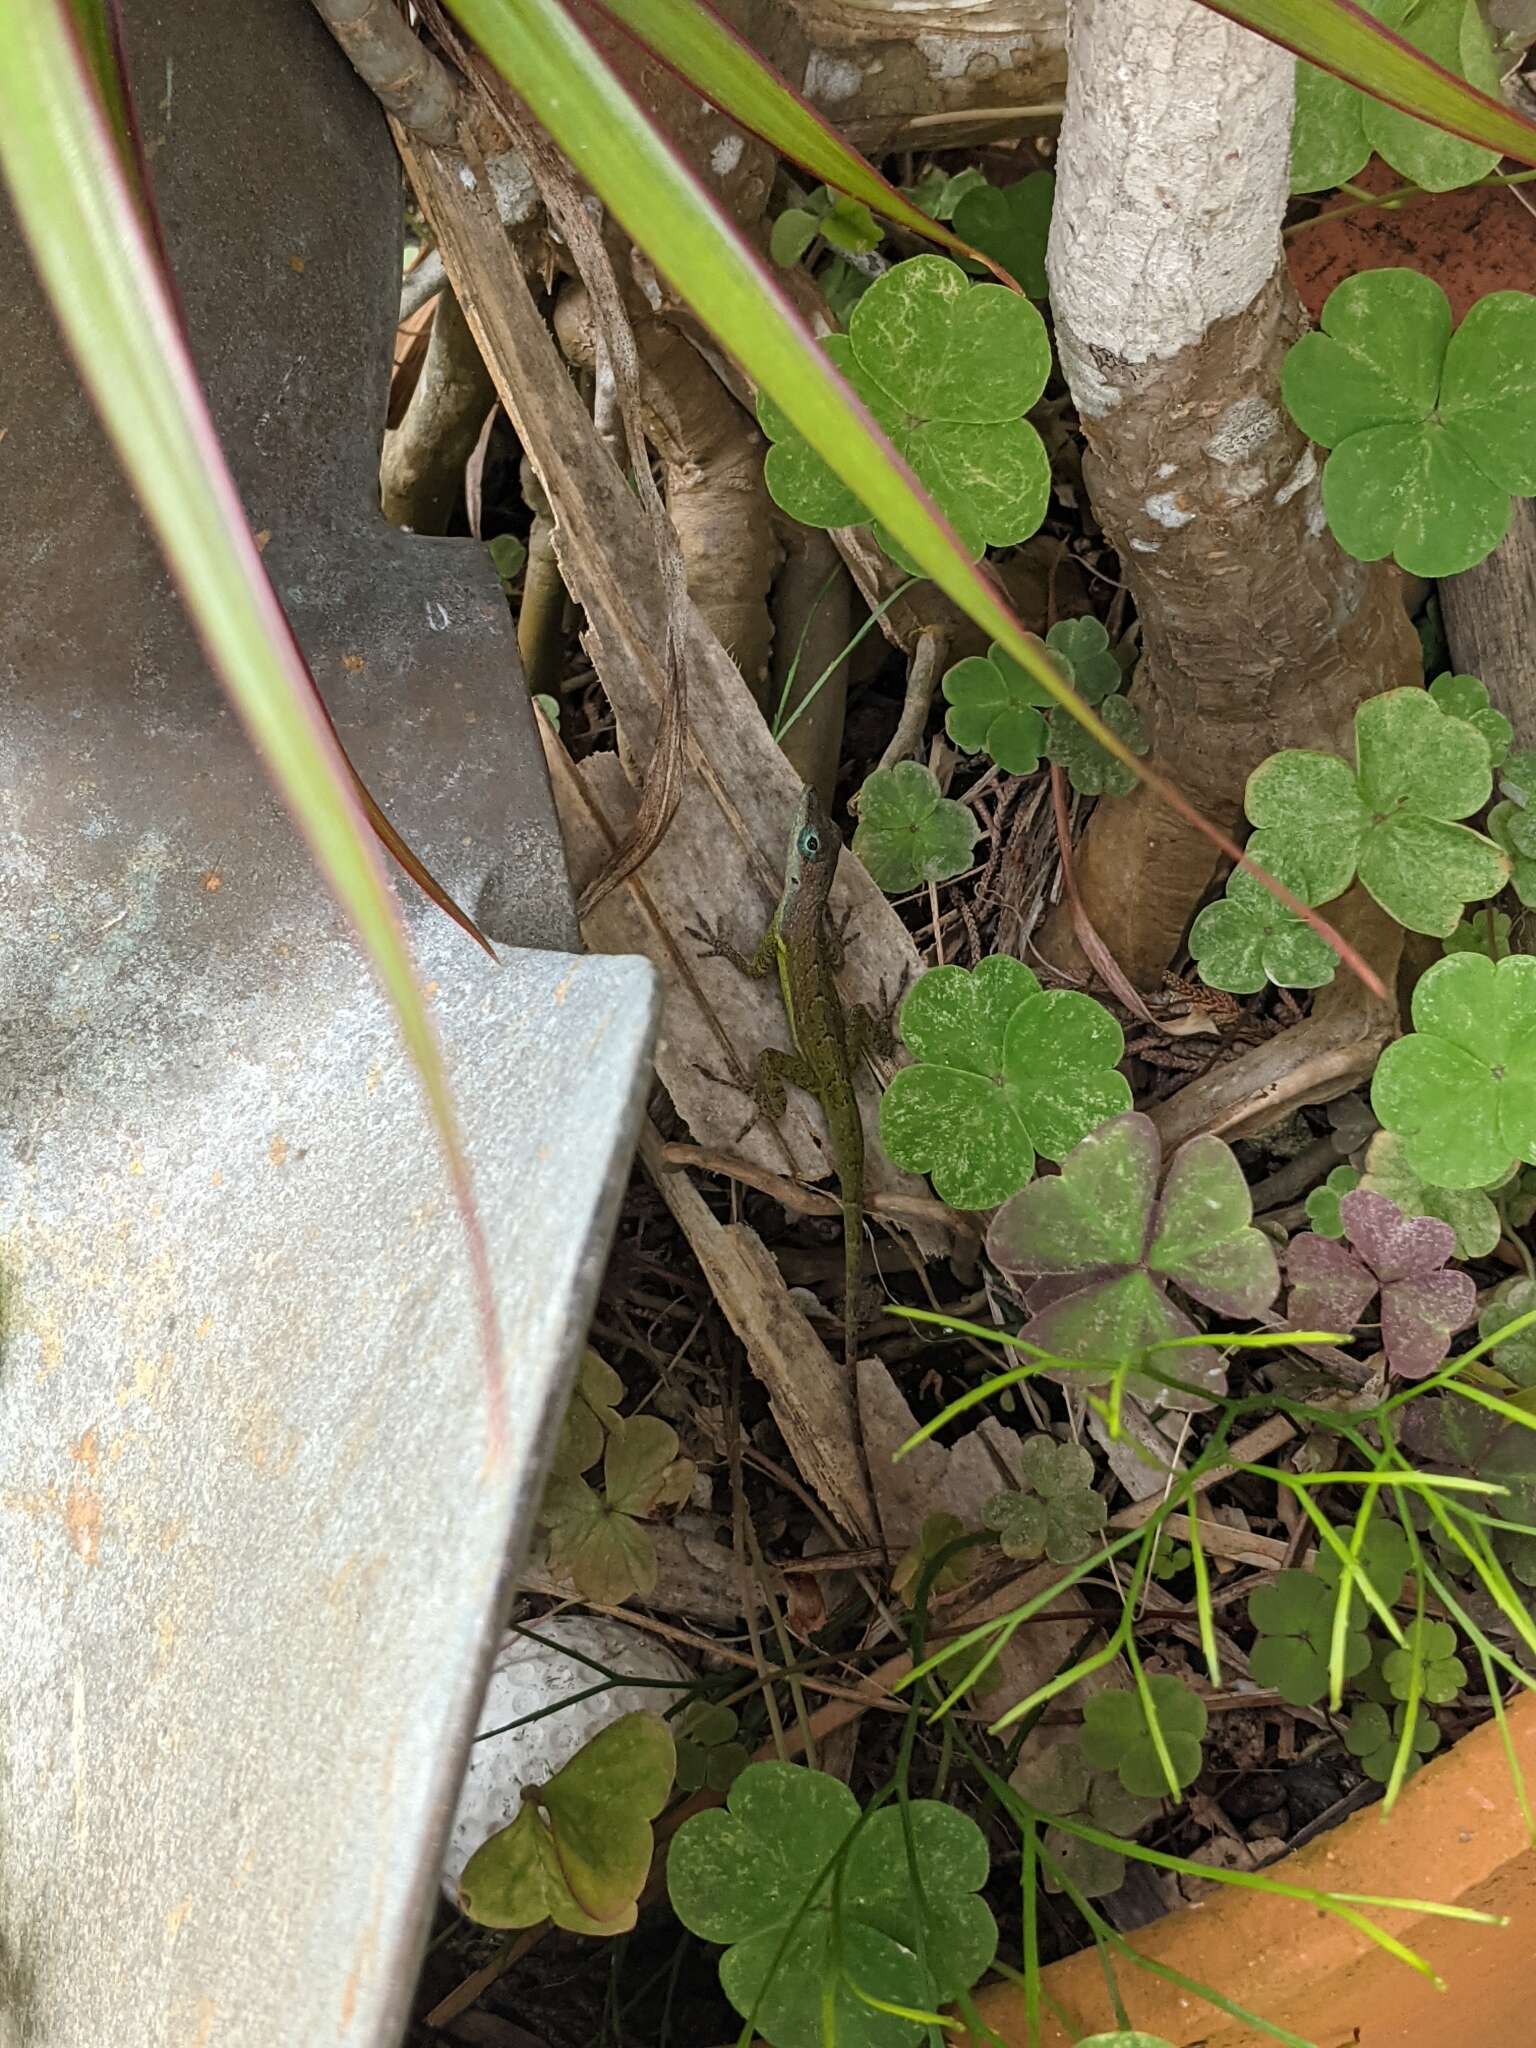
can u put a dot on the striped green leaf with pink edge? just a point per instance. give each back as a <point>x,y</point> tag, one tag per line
<point>554,66</point>
<point>1100,1242</point>
<point>705,50</point>
<point>93,249</point>
<point>1344,39</point>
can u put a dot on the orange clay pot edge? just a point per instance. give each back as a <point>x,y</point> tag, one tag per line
<point>1455,1836</point>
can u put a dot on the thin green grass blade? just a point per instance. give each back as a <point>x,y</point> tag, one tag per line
<point>1340,37</point>
<point>554,66</point>
<point>703,48</point>
<point>61,162</point>
<point>1204,1609</point>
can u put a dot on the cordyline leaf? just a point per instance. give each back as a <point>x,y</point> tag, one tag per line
<point>579,1850</point>
<point>100,267</point>
<point>1342,38</point>
<point>1103,1244</point>
<point>553,65</point>
<point>703,48</point>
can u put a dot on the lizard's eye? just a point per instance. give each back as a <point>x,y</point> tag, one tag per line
<point>810,844</point>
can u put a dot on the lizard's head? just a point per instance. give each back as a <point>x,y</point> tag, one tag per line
<point>814,843</point>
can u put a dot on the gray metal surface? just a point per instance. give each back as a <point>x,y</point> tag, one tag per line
<point>250,1542</point>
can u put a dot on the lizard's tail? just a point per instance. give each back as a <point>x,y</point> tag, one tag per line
<point>853,1240</point>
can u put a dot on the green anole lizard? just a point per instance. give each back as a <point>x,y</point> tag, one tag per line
<point>829,1037</point>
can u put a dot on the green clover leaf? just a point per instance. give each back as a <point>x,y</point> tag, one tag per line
<point>1091,769</point>
<point>599,1538</point>
<point>998,708</point>
<point>1430,431</point>
<point>1384,1557</point>
<point>1172,1561</point>
<point>709,1757</point>
<point>1117,1736</point>
<point>948,368</point>
<point>1466,697</point>
<point>1392,821</point>
<point>1104,1243</point>
<point>1517,781</point>
<point>758,1875</point>
<point>1431,1646</point>
<point>1085,657</point>
<point>579,1850</point>
<point>1336,128</point>
<point>508,555</point>
<point>1516,1356</point>
<point>994,708</point>
<point>1486,932</point>
<point>938,192</point>
<point>1058,1780</point>
<point>592,1413</point>
<point>849,227</point>
<point>1469,1212</point>
<point>1121,2038</point>
<point>1249,937</point>
<point>1508,828</point>
<point>843,223</point>
<point>938,1532</point>
<point>1004,1071</point>
<point>1293,1613</point>
<point>1323,1203</point>
<point>909,832</point>
<point>1373,1738</point>
<point>1011,224</point>
<point>1056,1514</point>
<point>1460,1089</point>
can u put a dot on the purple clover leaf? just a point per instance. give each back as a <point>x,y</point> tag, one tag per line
<point>1101,1241</point>
<point>1401,1258</point>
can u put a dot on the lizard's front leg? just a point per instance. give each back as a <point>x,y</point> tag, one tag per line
<point>713,945</point>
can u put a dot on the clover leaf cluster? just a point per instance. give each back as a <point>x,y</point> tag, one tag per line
<point>1055,1513</point>
<point>948,369</point>
<point>823,1909</point>
<point>997,708</point>
<point>1337,128</point>
<point>1099,1245</point>
<point>597,1533</point>
<point>909,832</point>
<point>1003,1071</point>
<point>1430,430</point>
<point>1394,820</point>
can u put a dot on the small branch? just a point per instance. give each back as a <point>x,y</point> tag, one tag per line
<point>398,68</point>
<point>422,471</point>
<point>922,680</point>
<point>812,1201</point>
